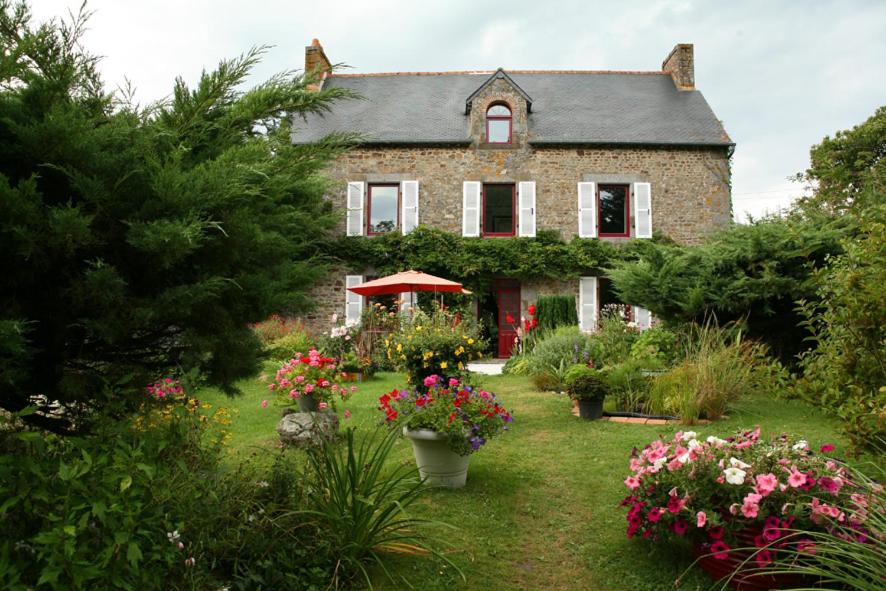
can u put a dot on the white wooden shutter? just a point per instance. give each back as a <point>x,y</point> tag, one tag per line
<point>355,208</point>
<point>643,210</point>
<point>526,199</point>
<point>642,318</point>
<point>353,301</point>
<point>587,304</point>
<point>409,215</point>
<point>471,212</point>
<point>587,210</point>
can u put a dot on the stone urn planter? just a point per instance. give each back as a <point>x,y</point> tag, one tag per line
<point>307,403</point>
<point>437,464</point>
<point>303,429</point>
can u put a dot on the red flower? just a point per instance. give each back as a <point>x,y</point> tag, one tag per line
<point>508,318</point>
<point>720,550</point>
<point>532,309</point>
<point>827,448</point>
<point>527,325</point>
<point>715,533</point>
<point>534,322</point>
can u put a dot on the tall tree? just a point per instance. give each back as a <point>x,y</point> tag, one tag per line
<point>138,239</point>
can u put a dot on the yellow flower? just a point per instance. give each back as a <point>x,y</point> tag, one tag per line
<point>470,341</point>
<point>399,347</point>
<point>443,365</point>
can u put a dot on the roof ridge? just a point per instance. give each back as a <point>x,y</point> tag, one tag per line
<point>490,72</point>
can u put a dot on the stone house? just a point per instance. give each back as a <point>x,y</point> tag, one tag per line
<point>606,155</point>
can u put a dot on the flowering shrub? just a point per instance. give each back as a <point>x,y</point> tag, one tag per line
<point>726,493</point>
<point>169,407</point>
<point>441,343</point>
<point>468,415</point>
<point>313,375</point>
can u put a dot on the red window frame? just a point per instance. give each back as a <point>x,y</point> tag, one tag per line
<point>508,118</point>
<point>369,231</point>
<point>513,231</point>
<point>627,231</point>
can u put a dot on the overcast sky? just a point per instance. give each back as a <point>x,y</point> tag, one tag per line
<point>780,75</point>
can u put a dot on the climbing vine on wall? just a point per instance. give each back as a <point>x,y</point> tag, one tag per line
<point>476,262</point>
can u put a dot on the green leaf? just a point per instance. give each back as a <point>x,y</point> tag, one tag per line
<point>49,575</point>
<point>70,530</point>
<point>133,553</point>
<point>125,483</point>
<point>149,470</point>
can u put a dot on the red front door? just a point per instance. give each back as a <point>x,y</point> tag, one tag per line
<point>507,296</point>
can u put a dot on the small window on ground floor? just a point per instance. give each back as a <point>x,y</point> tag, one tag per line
<point>609,303</point>
<point>383,204</point>
<point>499,210</point>
<point>612,203</point>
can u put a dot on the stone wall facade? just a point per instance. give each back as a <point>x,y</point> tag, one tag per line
<point>690,184</point>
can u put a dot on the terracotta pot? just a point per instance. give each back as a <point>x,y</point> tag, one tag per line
<point>743,565</point>
<point>437,464</point>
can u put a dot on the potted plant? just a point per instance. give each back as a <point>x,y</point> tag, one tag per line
<point>740,501</point>
<point>588,386</point>
<point>350,367</point>
<point>312,381</point>
<point>446,421</point>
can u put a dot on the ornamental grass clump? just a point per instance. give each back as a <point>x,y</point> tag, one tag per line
<point>441,343</point>
<point>470,416</point>
<point>310,375</point>
<point>741,493</point>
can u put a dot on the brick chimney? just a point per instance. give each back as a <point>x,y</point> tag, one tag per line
<point>316,63</point>
<point>680,64</point>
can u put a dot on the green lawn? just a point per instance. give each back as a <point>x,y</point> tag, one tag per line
<point>540,510</point>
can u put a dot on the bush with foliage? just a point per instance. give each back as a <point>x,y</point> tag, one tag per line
<point>145,238</point>
<point>585,383</point>
<point>554,351</point>
<point>630,382</point>
<point>469,415</point>
<point>846,372</point>
<point>657,342</point>
<point>725,494</point>
<point>553,311</point>
<point>440,343</point>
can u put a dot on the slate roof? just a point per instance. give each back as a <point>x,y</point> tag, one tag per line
<point>567,108</point>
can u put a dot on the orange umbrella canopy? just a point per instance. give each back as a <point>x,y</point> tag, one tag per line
<point>406,281</point>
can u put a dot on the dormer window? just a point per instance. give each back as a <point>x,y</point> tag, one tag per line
<point>498,124</point>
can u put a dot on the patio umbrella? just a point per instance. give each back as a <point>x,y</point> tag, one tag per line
<point>407,281</point>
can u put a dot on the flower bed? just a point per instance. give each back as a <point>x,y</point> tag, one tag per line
<point>469,416</point>
<point>742,492</point>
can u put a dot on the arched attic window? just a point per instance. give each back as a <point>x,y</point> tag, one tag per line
<point>498,124</point>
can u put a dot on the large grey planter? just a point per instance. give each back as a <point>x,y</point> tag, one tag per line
<point>307,403</point>
<point>438,464</point>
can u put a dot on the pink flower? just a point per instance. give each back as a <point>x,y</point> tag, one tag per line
<point>309,388</point>
<point>347,414</point>
<point>827,448</point>
<point>264,404</point>
<point>828,484</point>
<point>453,382</point>
<point>431,381</point>
<point>797,478</point>
<point>272,387</point>
<point>322,406</point>
<point>701,518</point>
<point>299,378</point>
<point>766,483</point>
<point>632,482</point>
<point>654,514</point>
<point>806,545</point>
<point>720,550</point>
<point>681,526</point>
<point>353,388</point>
<point>750,509</point>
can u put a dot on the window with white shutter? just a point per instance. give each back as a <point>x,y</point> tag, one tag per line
<point>409,215</point>
<point>587,210</point>
<point>355,208</point>
<point>526,198</point>
<point>353,301</point>
<point>587,304</point>
<point>643,210</point>
<point>471,209</point>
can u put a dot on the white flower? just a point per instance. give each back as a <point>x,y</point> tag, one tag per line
<point>693,444</point>
<point>736,463</point>
<point>173,536</point>
<point>716,440</point>
<point>684,458</point>
<point>687,435</point>
<point>659,463</point>
<point>734,475</point>
<point>800,445</point>
<point>262,484</point>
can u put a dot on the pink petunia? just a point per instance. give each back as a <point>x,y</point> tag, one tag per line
<point>750,509</point>
<point>720,550</point>
<point>797,478</point>
<point>827,448</point>
<point>701,518</point>
<point>309,388</point>
<point>632,482</point>
<point>322,406</point>
<point>347,414</point>
<point>766,483</point>
<point>264,404</point>
<point>654,514</point>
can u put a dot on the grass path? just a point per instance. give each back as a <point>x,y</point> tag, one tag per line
<point>540,510</point>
